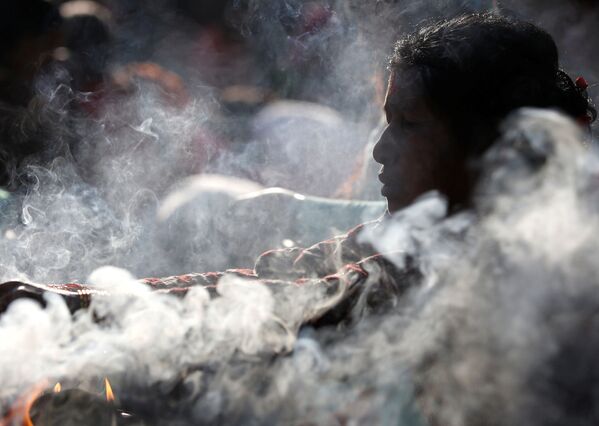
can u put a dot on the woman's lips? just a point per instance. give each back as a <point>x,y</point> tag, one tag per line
<point>385,188</point>
<point>390,186</point>
<point>386,179</point>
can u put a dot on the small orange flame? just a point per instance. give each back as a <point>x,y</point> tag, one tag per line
<point>57,387</point>
<point>33,395</point>
<point>109,393</point>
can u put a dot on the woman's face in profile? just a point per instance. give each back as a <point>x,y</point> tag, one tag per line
<point>416,148</point>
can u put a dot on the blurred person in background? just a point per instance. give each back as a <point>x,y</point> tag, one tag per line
<point>88,44</point>
<point>30,31</point>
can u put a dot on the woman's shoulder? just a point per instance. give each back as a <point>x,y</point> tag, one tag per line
<point>318,260</point>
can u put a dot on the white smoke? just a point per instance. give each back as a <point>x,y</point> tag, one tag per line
<point>480,341</point>
<point>505,334</point>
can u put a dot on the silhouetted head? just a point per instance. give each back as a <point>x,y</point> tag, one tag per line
<point>451,85</point>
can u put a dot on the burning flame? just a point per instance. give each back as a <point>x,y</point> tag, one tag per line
<point>109,393</point>
<point>22,408</point>
<point>33,395</point>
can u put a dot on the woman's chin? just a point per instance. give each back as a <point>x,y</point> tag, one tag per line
<point>395,201</point>
<point>390,192</point>
<point>385,191</point>
<point>393,206</point>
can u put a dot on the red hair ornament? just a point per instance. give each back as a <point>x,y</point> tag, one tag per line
<point>581,84</point>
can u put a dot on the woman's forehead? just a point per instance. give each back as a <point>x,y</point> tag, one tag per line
<point>405,91</point>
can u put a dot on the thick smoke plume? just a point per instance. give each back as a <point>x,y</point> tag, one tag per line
<point>500,331</point>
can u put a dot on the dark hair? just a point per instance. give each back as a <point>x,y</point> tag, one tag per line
<point>479,67</point>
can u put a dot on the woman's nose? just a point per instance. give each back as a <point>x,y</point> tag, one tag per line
<point>380,152</point>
